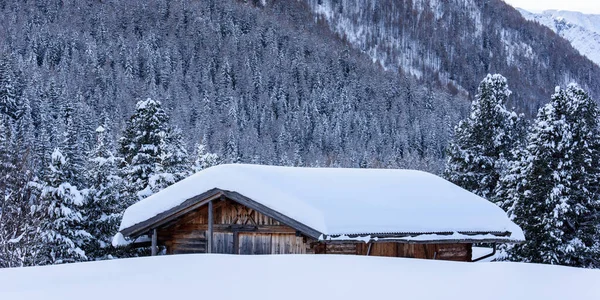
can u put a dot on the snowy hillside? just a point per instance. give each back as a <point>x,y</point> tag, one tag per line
<point>456,42</point>
<point>296,277</point>
<point>582,30</point>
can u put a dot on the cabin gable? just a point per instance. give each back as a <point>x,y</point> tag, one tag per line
<point>214,195</point>
<point>237,229</point>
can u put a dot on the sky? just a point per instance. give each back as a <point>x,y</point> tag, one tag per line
<point>585,6</point>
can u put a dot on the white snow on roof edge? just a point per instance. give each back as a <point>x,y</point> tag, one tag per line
<point>119,240</point>
<point>455,237</point>
<point>338,201</point>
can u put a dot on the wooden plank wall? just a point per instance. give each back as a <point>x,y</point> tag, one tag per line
<point>255,232</point>
<point>223,242</point>
<point>259,243</point>
<point>454,252</point>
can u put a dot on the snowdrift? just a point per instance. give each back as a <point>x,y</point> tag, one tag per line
<point>301,277</point>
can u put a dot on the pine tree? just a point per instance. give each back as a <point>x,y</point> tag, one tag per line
<point>204,159</point>
<point>8,89</point>
<point>72,145</point>
<point>552,190</point>
<point>231,149</point>
<point>16,127</point>
<point>172,164</point>
<point>103,208</point>
<point>154,154</point>
<point>174,157</point>
<point>59,208</point>
<point>140,146</point>
<point>483,142</point>
<point>7,212</point>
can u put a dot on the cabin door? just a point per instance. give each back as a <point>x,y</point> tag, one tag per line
<point>253,243</point>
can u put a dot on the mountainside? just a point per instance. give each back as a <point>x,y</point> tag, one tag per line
<point>455,43</point>
<point>263,85</point>
<point>582,30</point>
<point>276,82</point>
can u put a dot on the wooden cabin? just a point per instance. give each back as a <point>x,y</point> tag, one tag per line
<point>248,209</point>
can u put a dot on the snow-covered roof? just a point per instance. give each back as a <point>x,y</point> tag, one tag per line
<point>337,201</point>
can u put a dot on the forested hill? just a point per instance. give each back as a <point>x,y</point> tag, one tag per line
<point>456,42</point>
<point>264,85</point>
<point>270,81</point>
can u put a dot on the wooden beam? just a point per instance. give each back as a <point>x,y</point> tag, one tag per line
<point>154,241</point>
<point>236,243</point>
<point>200,229</point>
<point>210,227</point>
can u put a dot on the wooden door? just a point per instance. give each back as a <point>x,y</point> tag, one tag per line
<point>253,243</point>
<point>223,243</point>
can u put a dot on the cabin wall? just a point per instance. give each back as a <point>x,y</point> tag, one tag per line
<point>241,230</point>
<point>454,252</point>
<point>236,230</point>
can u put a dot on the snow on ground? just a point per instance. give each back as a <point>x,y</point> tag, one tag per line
<point>342,201</point>
<point>291,277</point>
<point>482,251</point>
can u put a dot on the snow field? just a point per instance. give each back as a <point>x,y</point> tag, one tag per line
<point>296,277</point>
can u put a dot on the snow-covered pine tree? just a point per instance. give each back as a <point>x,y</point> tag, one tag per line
<point>59,208</point>
<point>72,145</point>
<point>174,156</point>
<point>8,214</point>
<point>204,159</point>
<point>8,89</point>
<point>172,164</point>
<point>231,149</point>
<point>154,154</point>
<point>16,129</point>
<point>552,189</point>
<point>103,207</point>
<point>483,142</point>
<point>140,146</point>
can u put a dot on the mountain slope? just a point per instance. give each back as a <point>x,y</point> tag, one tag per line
<point>582,30</point>
<point>270,85</point>
<point>455,43</point>
<point>256,85</point>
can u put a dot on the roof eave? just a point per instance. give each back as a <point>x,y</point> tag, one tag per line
<point>502,237</point>
<point>432,241</point>
<point>188,205</point>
